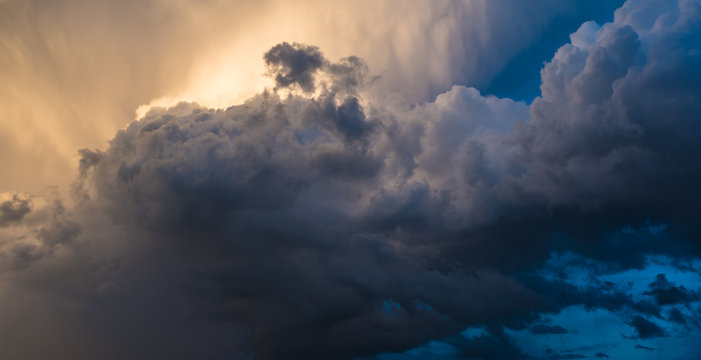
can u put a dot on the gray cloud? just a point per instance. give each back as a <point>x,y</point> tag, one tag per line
<point>12,211</point>
<point>294,65</point>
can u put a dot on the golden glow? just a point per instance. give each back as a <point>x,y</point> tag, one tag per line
<point>74,72</point>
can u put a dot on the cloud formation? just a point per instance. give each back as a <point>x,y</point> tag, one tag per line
<point>76,70</point>
<point>320,222</point>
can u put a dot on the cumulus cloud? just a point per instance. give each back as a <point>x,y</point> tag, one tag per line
<point>615,120</point>
<point>319,222</point>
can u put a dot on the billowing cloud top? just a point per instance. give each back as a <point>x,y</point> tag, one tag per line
<point>316,221</point>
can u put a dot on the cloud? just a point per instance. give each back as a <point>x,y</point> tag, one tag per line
<point>676,316</point>
<point>567,356</point>
<point>13,210</point>
<point>606,130</point>
<point>283,226</point>
<point>647,329</point>
<point>667,293</point>
<point>294,64</point>
<point>221,188</point>
<point>176,213</point>
<point>59,99</point>
<point>493,344</point>
<point>643,347</point>
<point>541,329</point>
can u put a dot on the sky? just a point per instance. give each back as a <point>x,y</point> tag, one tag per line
<point>352,180</point>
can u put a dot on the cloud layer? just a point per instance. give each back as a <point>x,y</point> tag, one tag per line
<point>76,70</point>
<point>317,221</point>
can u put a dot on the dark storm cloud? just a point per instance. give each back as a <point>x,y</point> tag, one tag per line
<point>325,225</point>
<point>258,213</point>
<point>201,194</point>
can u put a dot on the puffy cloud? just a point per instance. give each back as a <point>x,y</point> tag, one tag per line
<point>278,221</point>
<point>616,120</point>
<point>294,64</point>
<point>607,104</point>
